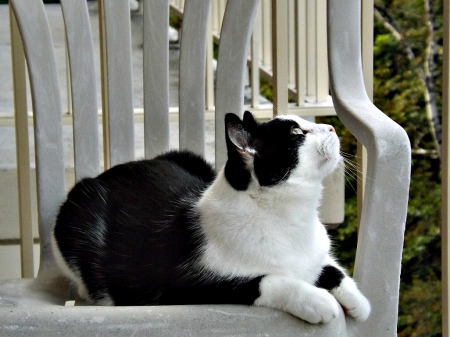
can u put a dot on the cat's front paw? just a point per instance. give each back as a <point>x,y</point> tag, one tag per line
<point>359,309</point>
<point>352,300</point>
<point>301,299</point>
<point>317,306</point>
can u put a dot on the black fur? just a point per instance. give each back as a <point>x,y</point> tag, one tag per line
<point>330,278</point>
<point>131,233</point>
<point>276,150</point>
<point>235,169</point>
<point>152,232</point>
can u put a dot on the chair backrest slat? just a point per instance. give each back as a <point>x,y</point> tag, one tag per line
<point>192,75</point>
<point>235,36</point>
<point>84,98</point>
<point>156,77</point>
<point>39,52</point>
<point>119,100</point>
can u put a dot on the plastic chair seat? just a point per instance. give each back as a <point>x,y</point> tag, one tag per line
<point>33,307</point>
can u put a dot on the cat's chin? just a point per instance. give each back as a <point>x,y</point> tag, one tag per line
<point>327,166</point>
<point>329,162</point>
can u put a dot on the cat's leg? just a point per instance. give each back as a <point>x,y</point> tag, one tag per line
<point>297,297</point>
<point>334,279</point>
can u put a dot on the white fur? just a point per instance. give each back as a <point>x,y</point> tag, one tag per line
<point>275,231</point>
<point>300,298</point>
<point>349,296</point>
<point>354,303</point>
<point>264,230</point>
<point>69,272</point>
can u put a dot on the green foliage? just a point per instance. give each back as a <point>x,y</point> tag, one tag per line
<point>422,298</point>
<point>399,92</point>
<point>174,20</point>
<point>266,89</point>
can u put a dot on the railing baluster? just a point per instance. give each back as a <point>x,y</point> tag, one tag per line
<point>222,5</point>
<point>321,71</point>
<point>291,44</point>
<point>22,149</point>
<point>209,61</point>
<point>301,45</point>
<point>311,47</point>
<point>279,56</point>
<point>266,33</point>
<point>255,57</point>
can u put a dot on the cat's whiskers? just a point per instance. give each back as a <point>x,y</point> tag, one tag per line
<point>351,170</point>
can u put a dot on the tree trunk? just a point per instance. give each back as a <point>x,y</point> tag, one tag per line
<point>425,72</point>
<point>430,92</point>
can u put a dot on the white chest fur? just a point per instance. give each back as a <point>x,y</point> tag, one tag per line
<point>263,231</point>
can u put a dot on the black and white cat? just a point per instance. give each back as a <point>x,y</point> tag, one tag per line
<point>169,231</point>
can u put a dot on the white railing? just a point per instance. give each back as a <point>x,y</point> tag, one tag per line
<point>295,44</point>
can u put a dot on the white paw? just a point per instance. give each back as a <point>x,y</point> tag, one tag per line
<point>301,299</point>
<point>319,306</point>
<point>354,302</point>
<point>360,310</point>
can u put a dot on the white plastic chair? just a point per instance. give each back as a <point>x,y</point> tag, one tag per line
<point>36,306</point>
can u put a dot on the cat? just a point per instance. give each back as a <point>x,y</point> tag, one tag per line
<point>172,231</point>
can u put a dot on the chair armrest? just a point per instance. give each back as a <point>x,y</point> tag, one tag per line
<point>380,240</point>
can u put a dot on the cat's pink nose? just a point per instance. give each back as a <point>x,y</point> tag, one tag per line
<point>332,129</point>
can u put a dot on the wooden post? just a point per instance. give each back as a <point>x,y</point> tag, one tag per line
<point>445,174</point>
<point>104,88</point>
<point>255,56</point>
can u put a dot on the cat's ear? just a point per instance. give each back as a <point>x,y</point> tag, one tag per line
<point>237,135</point>
<point>249,120</point>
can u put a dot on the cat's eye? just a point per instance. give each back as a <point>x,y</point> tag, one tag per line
<point>297,131</point>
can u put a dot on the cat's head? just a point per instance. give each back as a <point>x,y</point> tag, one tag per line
<point>285,149</point>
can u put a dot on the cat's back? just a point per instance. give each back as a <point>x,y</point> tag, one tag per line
<point>127,217</point>
<point>172,168</point>
<point>137,193</point>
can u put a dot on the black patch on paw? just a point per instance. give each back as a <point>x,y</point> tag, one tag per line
<point>330,278</point>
